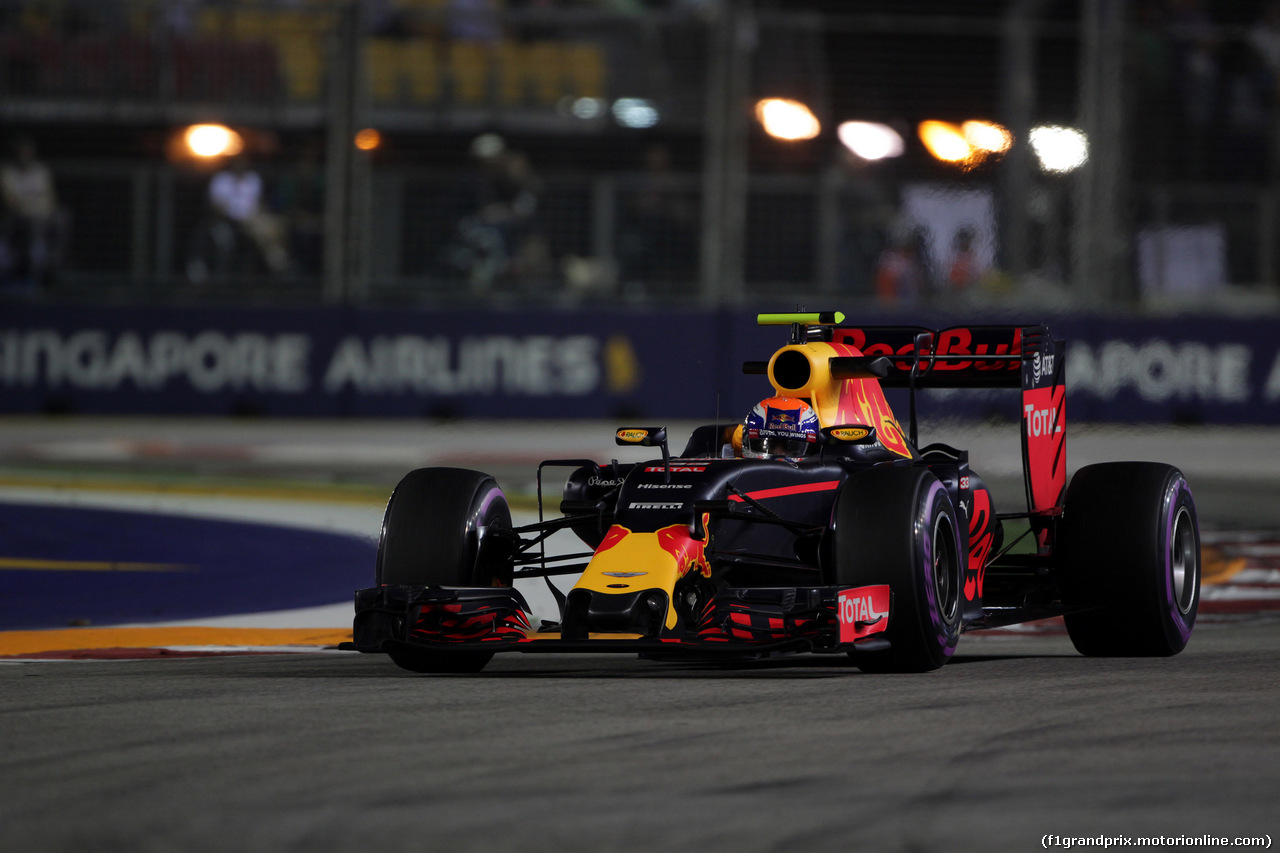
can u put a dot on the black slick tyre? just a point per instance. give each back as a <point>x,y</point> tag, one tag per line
<point>1129,546</point>
<point>897,526</point>
<point>431,535</point>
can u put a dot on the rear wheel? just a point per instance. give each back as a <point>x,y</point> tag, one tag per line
<point>1129,542</point>
<point>897,526</point>
<point>432,532</point>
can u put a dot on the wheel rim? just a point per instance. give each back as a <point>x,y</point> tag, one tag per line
<point>946,584</point>
<point>1184,561</point>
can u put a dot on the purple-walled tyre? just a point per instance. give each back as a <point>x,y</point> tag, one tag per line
<point>431,534</point>
<point>897,526</point>
<point>1129,567</point>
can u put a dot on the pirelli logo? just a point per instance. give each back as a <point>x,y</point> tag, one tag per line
<point>656,504</point>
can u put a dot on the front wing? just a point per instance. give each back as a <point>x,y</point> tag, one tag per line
<point>752,621</point>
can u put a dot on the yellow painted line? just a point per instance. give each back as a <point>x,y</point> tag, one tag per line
<point>71,639</point>
<point>23,564</point>
<point>1217,567</point>
<point>369,495</point>
<point>376,496</point>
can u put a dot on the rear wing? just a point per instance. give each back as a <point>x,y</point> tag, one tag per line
<point>1010,356</point>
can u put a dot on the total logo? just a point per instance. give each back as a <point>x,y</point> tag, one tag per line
<point>854,609</point>
<point>678,469</point>
<point>862,611</point>
<point>1040,421</point>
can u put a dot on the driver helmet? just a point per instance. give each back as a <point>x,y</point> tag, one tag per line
<point>780,428</point>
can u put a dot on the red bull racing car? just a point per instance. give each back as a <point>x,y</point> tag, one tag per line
<point>818,525</point>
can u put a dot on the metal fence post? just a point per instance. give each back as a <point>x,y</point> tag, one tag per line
<point>1018,102</point>
<point>724,182</point>
<point>346,174</point>
<point>1100,236</point>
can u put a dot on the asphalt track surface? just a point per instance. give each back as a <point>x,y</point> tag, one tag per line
<point>1015,739</point>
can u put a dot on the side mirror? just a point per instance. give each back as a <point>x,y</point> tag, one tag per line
<point>646,437</point>
<point>642,436</point>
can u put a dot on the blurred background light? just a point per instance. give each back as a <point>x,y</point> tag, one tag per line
<point>945,141</point>
<point>212,140</point>
<point>787,119</point>
<point>635,112</point>
<point>588,108</point>
<point>368,139</point>
<point>871,140</point>
<point>1059,149</point>
<point>987,136</point>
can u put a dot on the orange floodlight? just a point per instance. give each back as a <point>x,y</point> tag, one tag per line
<point>987,136</point>
<point>368,139</point>
<point>945,141</point>
<point>786,119</point>
<point>212,140</point>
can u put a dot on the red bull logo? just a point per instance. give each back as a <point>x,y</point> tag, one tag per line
<point>656,560</point>
<point>675,540</point>
<point>689,553</point>
<point>615,535</point>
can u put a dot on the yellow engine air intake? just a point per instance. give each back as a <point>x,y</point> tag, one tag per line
<point>807,371</point>
<point>801,369</point>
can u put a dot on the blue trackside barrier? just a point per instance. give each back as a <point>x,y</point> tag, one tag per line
<point>589,363</point>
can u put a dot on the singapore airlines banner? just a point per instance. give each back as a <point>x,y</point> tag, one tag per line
<point>338,362</point>
<point>566,364</point>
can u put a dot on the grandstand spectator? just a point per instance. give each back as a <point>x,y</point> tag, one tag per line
<point>475,20</point>
<point>177,17</point>
<point>500,239</point>
<point>1152,97</point>
<point>965,268</point>
<point>238,213</point>
<point>1197,71</point>
<point>1249,97</point>
<point>300,200</point>
<point>658,239</point>
<point>34,226</point>
<point>901,272</point>
<point>1264,41</point>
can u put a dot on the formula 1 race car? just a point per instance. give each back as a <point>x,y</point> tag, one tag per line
<point>817,526</point>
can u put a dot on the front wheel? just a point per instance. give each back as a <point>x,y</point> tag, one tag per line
<point>432,533</point>
<point>433,527</point>
<point>1129,542</point>
<point>897,526</point>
